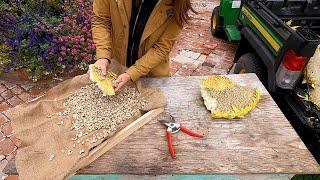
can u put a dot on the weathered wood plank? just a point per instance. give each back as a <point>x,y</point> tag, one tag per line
<point>185,177</point>
<point>263,142</point>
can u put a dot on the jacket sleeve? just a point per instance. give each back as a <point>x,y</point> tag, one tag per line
<point>101,28</point>
<point>157,54</point>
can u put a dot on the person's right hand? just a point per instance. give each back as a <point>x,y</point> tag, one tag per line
<point>103,64</point>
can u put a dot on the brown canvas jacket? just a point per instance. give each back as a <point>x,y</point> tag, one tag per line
<point>110,28</point>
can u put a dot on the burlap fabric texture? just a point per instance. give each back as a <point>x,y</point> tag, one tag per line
<point>42,137</point>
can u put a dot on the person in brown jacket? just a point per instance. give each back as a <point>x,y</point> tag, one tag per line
<point>138,33</point>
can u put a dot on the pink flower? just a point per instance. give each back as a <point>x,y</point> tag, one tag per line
<point>63,48</point>
<point>60,59</point>
<point>64,38</point>
<point>92,46</point>
<point>88,58</point>
<point>66,19</point>
<point>84,54</point>
<point>82,39</point>
<point>73,51</point>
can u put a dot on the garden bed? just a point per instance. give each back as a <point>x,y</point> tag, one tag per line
<point>49,39</point>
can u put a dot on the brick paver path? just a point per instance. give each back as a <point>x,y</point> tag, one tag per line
<point>195,53</point>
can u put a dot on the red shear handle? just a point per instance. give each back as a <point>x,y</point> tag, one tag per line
<point>170,145</point>
<point>191,133</point>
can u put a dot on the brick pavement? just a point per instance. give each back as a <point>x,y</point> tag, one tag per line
<point>12,95</point>
<point>195,53</point>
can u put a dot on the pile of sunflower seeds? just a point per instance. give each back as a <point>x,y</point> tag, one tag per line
<point>238,96</point>
<point>92,111</point>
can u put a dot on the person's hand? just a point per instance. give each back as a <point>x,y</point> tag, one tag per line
<point>121,80</point>
<point>103,64</point>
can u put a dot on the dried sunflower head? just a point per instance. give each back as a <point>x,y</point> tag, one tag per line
<point>225,99</point>
<point>314,96</point>
<point>105,83</point>
<point>217,83</point>
<point>312,71</point>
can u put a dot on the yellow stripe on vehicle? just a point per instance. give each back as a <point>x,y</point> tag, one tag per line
<point>275,45</point>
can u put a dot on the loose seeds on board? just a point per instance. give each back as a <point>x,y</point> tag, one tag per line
<point>92,112</point>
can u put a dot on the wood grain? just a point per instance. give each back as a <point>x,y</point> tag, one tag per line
<point>120,136</point>
<point>263,142</point>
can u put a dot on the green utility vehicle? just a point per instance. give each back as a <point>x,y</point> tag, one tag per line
<point>276,40</point>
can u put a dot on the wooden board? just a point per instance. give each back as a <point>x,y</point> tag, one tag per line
<point>263,142</point>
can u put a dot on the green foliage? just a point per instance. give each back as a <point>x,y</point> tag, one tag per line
<point>306,177</point>
<point>4,56</point>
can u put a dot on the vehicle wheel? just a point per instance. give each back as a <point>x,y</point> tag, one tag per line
<point>250,63</point>
<point>216,26</point>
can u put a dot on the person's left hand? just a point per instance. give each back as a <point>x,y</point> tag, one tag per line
<point>121,80</point>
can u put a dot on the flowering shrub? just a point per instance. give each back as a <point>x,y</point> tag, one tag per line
<point>47,37</point>
<point>4,56</point>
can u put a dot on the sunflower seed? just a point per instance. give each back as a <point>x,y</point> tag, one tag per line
<point>69,152</point>
<point>81,151</point>
<point>91,112</point>
<point>51,157</point>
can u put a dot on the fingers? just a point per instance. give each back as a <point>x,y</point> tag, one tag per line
<point>104,69</point>
<point>121,81</point>
<point>116,82</point>
<point>119,85</point>
<point>103,65</point>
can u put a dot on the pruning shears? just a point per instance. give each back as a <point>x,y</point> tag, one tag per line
<point>174,127</point>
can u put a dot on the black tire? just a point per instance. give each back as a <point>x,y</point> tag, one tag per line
<point>250,63</point>
<point>216,24</point>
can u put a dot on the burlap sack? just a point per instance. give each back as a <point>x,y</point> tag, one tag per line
<point>42,137</point>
